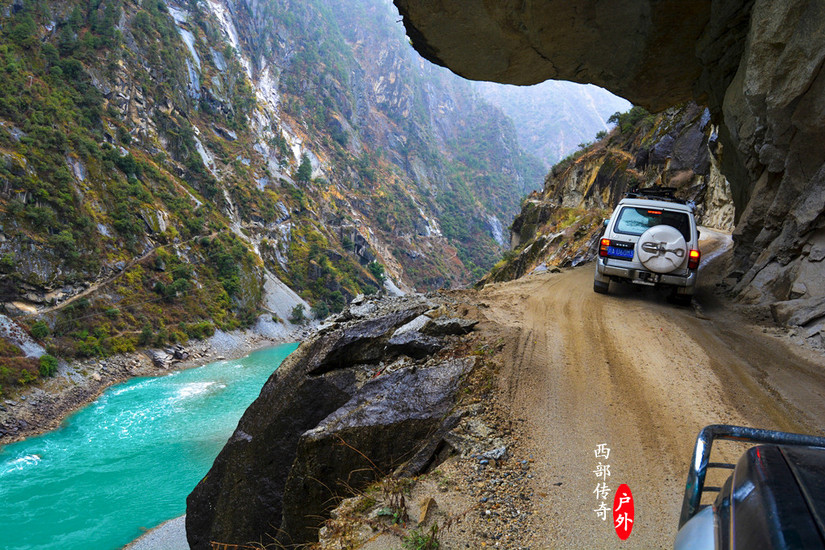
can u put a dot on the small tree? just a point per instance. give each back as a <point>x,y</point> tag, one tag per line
<point>304,170</point>
<point>320,310</point>
<point>146,335</point>
<point>48,365</point>
<point>377,270</point>
<point>40,330</point>
<point>297,316</point>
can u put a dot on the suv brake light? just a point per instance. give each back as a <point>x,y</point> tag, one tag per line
<point>693,259</point>
<point>603,247</point>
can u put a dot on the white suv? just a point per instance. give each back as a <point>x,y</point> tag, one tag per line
<point>651,239</point>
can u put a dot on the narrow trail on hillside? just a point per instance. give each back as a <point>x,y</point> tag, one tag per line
<point>642,376</point>
<point>100,283</point>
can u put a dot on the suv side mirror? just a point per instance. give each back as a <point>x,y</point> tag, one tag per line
<point>606,221</point>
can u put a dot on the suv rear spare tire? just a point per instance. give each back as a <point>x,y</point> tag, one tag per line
<point>662,249</point>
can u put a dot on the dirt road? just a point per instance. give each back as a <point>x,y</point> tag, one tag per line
<point>642,376</point>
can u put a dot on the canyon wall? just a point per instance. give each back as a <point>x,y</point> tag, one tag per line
<point>757,65</point>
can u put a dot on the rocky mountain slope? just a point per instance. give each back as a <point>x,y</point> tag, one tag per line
<point>560,225</point>
<point>172,168</point>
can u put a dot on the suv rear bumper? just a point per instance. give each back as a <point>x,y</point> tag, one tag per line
<point>632,274</point>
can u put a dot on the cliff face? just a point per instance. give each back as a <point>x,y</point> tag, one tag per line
<point>756,64</point>
<point>560,225</point>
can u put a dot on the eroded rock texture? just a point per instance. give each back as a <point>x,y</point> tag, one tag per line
<point>351,404</point>
<point>756,64</point>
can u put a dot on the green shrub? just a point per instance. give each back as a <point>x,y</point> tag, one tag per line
<point>40,330</point>
<point>7,262</point>
<point>90,347</point>
<point>48,365</point>
<point>304,173</point>
<point>26,377</point>
<point>320,310</point>
<point>146,336</point>
<point>199,330</point>
<point>377,270</point>
<point>297,315</point>
<point>121,344</point>
<point>627,121</point>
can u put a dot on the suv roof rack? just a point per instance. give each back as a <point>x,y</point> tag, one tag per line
<point>658,193</point>
<point>700,463</point>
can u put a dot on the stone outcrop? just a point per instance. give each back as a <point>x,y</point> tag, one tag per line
<point>756,64</point>
<point>385,421</point>
<point>637,49</point>
<point>355,402</point>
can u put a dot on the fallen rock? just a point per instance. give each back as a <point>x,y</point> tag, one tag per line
<point>815,331</point>
<point>798,290</point>
<point>496,454</point>
<point>798,312</point>
<point>241,498</point>
<point>362,342</point>
<point>359,311</point>
<point>414,344</point>
<point>323,423</point>
<point>160,358</point>
<point>473,437</point>
<point>444,326</point>
<point>415,325</point>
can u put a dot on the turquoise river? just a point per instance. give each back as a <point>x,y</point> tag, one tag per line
<point>126,462</point>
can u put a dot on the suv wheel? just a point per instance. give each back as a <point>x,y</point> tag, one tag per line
<point>601,287</point>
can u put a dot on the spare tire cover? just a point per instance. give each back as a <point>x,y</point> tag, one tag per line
<point>662,249</point>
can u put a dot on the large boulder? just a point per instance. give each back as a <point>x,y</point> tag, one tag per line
<point>324,416</point>
<point>376,431</point>
<point>756,64</point>
<point>362,342</point>
<point>241,498</point>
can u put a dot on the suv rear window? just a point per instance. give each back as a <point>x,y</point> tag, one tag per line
<point>634,220</point>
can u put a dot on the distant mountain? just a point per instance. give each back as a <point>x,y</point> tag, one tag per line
<point>554,117</point>
<point>168,168</point>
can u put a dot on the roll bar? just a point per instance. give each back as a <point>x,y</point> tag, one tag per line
<point>699,463</point>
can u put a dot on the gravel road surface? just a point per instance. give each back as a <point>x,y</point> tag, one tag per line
<point>641,376</point>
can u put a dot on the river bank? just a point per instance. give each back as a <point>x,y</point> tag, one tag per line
<point>39,408</point>
<point>169,535</point>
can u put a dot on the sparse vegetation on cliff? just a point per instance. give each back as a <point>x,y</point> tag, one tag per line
<point>147,188</point>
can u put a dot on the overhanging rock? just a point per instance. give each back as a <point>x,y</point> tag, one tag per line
<point>757,65</point>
